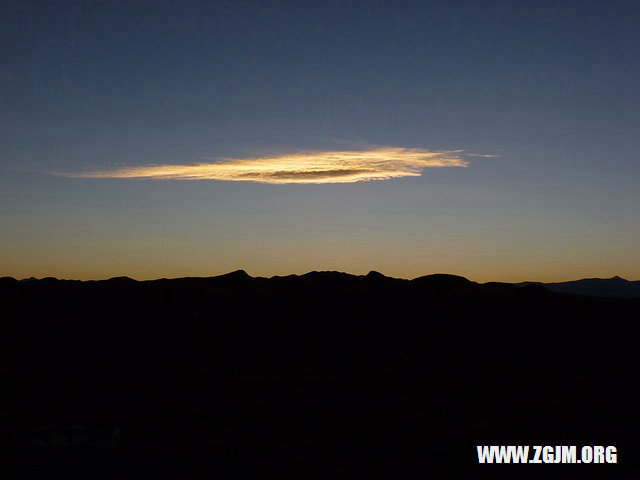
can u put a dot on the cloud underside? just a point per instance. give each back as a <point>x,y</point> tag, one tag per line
<point>382,163</point>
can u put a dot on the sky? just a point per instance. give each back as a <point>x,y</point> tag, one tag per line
<point>497,140</point>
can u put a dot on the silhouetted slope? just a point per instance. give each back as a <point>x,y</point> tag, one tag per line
<point>324,374</point>
<point>602,287</point>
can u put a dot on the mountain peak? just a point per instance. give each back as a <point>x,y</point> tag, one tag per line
<point>235,275</point>
<point>374,274</point>
<point>122,280</point>
<point>443,279</point>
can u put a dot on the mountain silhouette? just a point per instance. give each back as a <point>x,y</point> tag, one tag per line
<point>316,375</point>
<point>601,287</point>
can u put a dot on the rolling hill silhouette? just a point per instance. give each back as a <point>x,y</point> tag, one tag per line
<point>321,375</point>
<point>600,287</point>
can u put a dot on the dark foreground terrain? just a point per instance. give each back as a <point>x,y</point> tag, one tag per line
<point>324,375</point>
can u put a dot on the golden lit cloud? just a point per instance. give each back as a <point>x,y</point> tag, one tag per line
<point>379,163</point>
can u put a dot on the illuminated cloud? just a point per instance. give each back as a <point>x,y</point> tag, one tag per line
<point>481,155</point>
<point>379,163</point>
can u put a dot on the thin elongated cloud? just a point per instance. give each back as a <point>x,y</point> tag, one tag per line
<point>481,155</point>
<point>309,167</point>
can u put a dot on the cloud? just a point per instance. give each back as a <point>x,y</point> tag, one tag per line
<point>481,155</point>
<point>308,167</point>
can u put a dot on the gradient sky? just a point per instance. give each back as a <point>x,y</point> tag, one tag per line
<point>548,87</point>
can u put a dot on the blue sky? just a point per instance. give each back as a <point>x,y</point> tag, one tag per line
<point>548,87</point>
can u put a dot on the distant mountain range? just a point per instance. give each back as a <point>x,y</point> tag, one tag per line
<point>600,287</point>
<point>321,375</point>
<point>615,287</point>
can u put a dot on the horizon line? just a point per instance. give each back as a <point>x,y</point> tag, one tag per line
<point>243,272</point>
